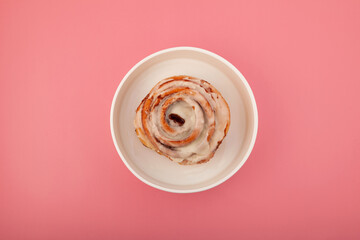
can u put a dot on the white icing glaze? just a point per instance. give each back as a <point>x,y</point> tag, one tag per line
<point>200,105</point>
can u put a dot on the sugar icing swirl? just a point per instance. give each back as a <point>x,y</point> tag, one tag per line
<point>183,118</point>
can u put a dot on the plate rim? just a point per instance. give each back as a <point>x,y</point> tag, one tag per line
<point>253,102</point>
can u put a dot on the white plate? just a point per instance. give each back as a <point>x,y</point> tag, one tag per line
<point>158,171</point>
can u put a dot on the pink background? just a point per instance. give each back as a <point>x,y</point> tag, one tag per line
<point>61,62</point>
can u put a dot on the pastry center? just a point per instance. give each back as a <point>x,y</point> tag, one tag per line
<point>177,119</point>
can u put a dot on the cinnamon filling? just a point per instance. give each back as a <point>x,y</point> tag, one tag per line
<point>177,119</point>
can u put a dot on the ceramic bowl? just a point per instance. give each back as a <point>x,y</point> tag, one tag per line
<point>158,171</point>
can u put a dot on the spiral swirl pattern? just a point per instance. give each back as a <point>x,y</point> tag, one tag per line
<point>184,119</point>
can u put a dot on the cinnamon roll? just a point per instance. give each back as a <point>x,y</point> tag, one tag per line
<point>183,118</point>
